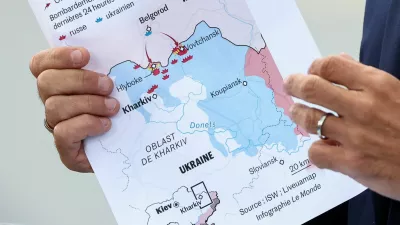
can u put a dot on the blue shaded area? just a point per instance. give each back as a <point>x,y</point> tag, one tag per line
<point>145,114</point>
<point>220,147</point>
<point>248,112</point>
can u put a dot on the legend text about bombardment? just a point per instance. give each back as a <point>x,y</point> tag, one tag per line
<point>72,12</point>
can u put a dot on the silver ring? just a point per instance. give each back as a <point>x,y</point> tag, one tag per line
<point>320,124</point>
<point>48,127</point>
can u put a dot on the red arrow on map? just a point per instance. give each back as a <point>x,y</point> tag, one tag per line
<point>175,42</point>
<point>178,49</point>
<point>47,5</point>
<point>148,57</point>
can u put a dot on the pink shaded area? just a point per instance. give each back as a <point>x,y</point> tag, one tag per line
<point>204,217</point>
<point>262,64</point>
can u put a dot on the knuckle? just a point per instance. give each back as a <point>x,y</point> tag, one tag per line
<point>289,82</point>
<point>62,134</point>
<point>59,137</point>
<point>381,80</point>
<point>89,103</point>
<point>308,87</point>
<point>89,120</point>
<point>295,110</point>
<point>54,55</point>
<point>86,79</point>
<point>82,78</point>
<point>365,109</point>
<point>59,133</point>
<point>43,79</point>
<point>34,65</point>
<point>51,105</point>
<point>310,121</point>
<point>329,64</point>
<point>304,116</point>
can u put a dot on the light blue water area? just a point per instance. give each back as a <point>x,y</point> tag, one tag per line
<point>220,147</point>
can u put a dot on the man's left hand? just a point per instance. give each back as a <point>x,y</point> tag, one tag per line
<point>363,142</point>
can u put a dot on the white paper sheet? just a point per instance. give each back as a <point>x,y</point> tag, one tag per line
<point>203,135</point>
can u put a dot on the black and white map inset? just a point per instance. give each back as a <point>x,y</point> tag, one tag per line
<point>193,205</point>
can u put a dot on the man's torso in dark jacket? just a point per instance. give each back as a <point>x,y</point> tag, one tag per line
<point>380,48</point>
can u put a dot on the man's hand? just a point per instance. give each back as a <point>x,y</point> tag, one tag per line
<point>364,141</point>
<point>76,101</point>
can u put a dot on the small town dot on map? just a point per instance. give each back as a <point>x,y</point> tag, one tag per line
<point>148,31</point>
<point>244,83</point>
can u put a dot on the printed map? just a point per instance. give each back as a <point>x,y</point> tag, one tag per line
<point>213,105</point>
<point>203,135</point>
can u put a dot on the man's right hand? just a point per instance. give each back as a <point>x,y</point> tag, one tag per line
<point>75,100</point>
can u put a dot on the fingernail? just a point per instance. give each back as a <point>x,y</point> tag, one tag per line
<point>105,122</point>
<point>76,57</point>
<point>111,103</point>
<point>104,83</point>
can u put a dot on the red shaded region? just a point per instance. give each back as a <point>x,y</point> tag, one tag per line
<point>174,61</point>
<point>262,64</point>
<point>187,59</point>
<point>136,67</point>
<point>156,72</point>
<point>183,52</point>
<point>211,210</point>
<point>152,89</point>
